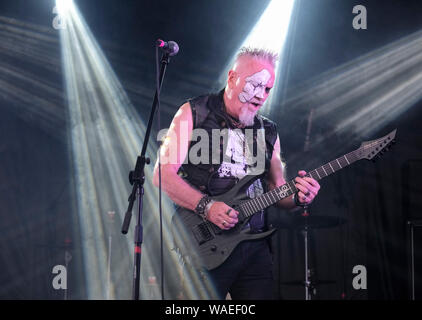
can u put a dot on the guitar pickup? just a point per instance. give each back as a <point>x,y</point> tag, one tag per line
<point>202,233</point>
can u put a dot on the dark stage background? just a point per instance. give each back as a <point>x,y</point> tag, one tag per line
<point>39,224</point>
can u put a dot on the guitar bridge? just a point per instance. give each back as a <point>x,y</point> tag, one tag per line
<point>202,233</point>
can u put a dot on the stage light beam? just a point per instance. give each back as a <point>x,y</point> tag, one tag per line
<point>362,96</point>
<point>269,33</point>
<point>102,118</point>
<point>64,6</point>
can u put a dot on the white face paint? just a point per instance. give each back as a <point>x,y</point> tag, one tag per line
<point>255,86</point>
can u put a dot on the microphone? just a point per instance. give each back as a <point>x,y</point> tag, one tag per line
<point>171,47</point>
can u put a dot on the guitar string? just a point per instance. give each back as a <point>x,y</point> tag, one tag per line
<point>350,157</point>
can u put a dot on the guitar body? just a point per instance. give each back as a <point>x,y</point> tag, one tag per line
<point>206,244</point>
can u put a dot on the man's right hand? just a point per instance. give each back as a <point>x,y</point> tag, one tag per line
<point>222,215</point>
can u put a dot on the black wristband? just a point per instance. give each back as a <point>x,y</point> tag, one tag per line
<point>200,207</point>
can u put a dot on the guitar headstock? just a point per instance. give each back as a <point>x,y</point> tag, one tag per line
<point>369,149</point>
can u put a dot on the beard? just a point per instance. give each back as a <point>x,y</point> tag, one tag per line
<point>246,117</point>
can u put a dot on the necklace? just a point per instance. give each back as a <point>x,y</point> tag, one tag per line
<point>236,123</point>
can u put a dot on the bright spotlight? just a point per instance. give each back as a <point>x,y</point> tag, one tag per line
<point>105,134</point>
<point>269,33</point>
<point>271,29</point>
<point>64,6</point>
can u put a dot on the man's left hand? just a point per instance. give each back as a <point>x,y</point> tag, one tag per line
<point>307,186</point>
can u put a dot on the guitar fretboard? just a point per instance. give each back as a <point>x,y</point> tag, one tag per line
<point>257,204</point>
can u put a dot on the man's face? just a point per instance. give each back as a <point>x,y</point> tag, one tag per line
<point>252,81</point>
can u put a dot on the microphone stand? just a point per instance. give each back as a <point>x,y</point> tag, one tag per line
<point>137,179</point>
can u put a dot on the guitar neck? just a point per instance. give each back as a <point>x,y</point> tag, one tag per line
<point>257,204</point>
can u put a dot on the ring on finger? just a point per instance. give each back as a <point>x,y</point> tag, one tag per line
<point>224,222</point>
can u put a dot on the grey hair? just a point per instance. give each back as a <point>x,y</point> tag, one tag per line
<point>258,53</point>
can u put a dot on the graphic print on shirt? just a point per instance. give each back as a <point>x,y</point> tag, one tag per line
<point>239,161</point>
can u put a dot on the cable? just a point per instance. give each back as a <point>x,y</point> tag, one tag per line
<point>159,173</point>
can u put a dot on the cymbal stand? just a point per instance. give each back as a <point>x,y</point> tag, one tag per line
<point>309,288</point>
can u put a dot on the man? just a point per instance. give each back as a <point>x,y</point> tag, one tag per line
<point>247,273</point>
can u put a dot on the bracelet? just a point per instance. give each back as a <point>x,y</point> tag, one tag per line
<point>207,208</point>
<point>202,204</point>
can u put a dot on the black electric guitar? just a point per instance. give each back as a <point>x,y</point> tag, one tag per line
<point>208,246</point>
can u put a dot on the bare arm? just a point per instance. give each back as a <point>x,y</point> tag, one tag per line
<point>174,152</point>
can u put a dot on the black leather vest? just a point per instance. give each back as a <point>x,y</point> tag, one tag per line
<point>208,114</point>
